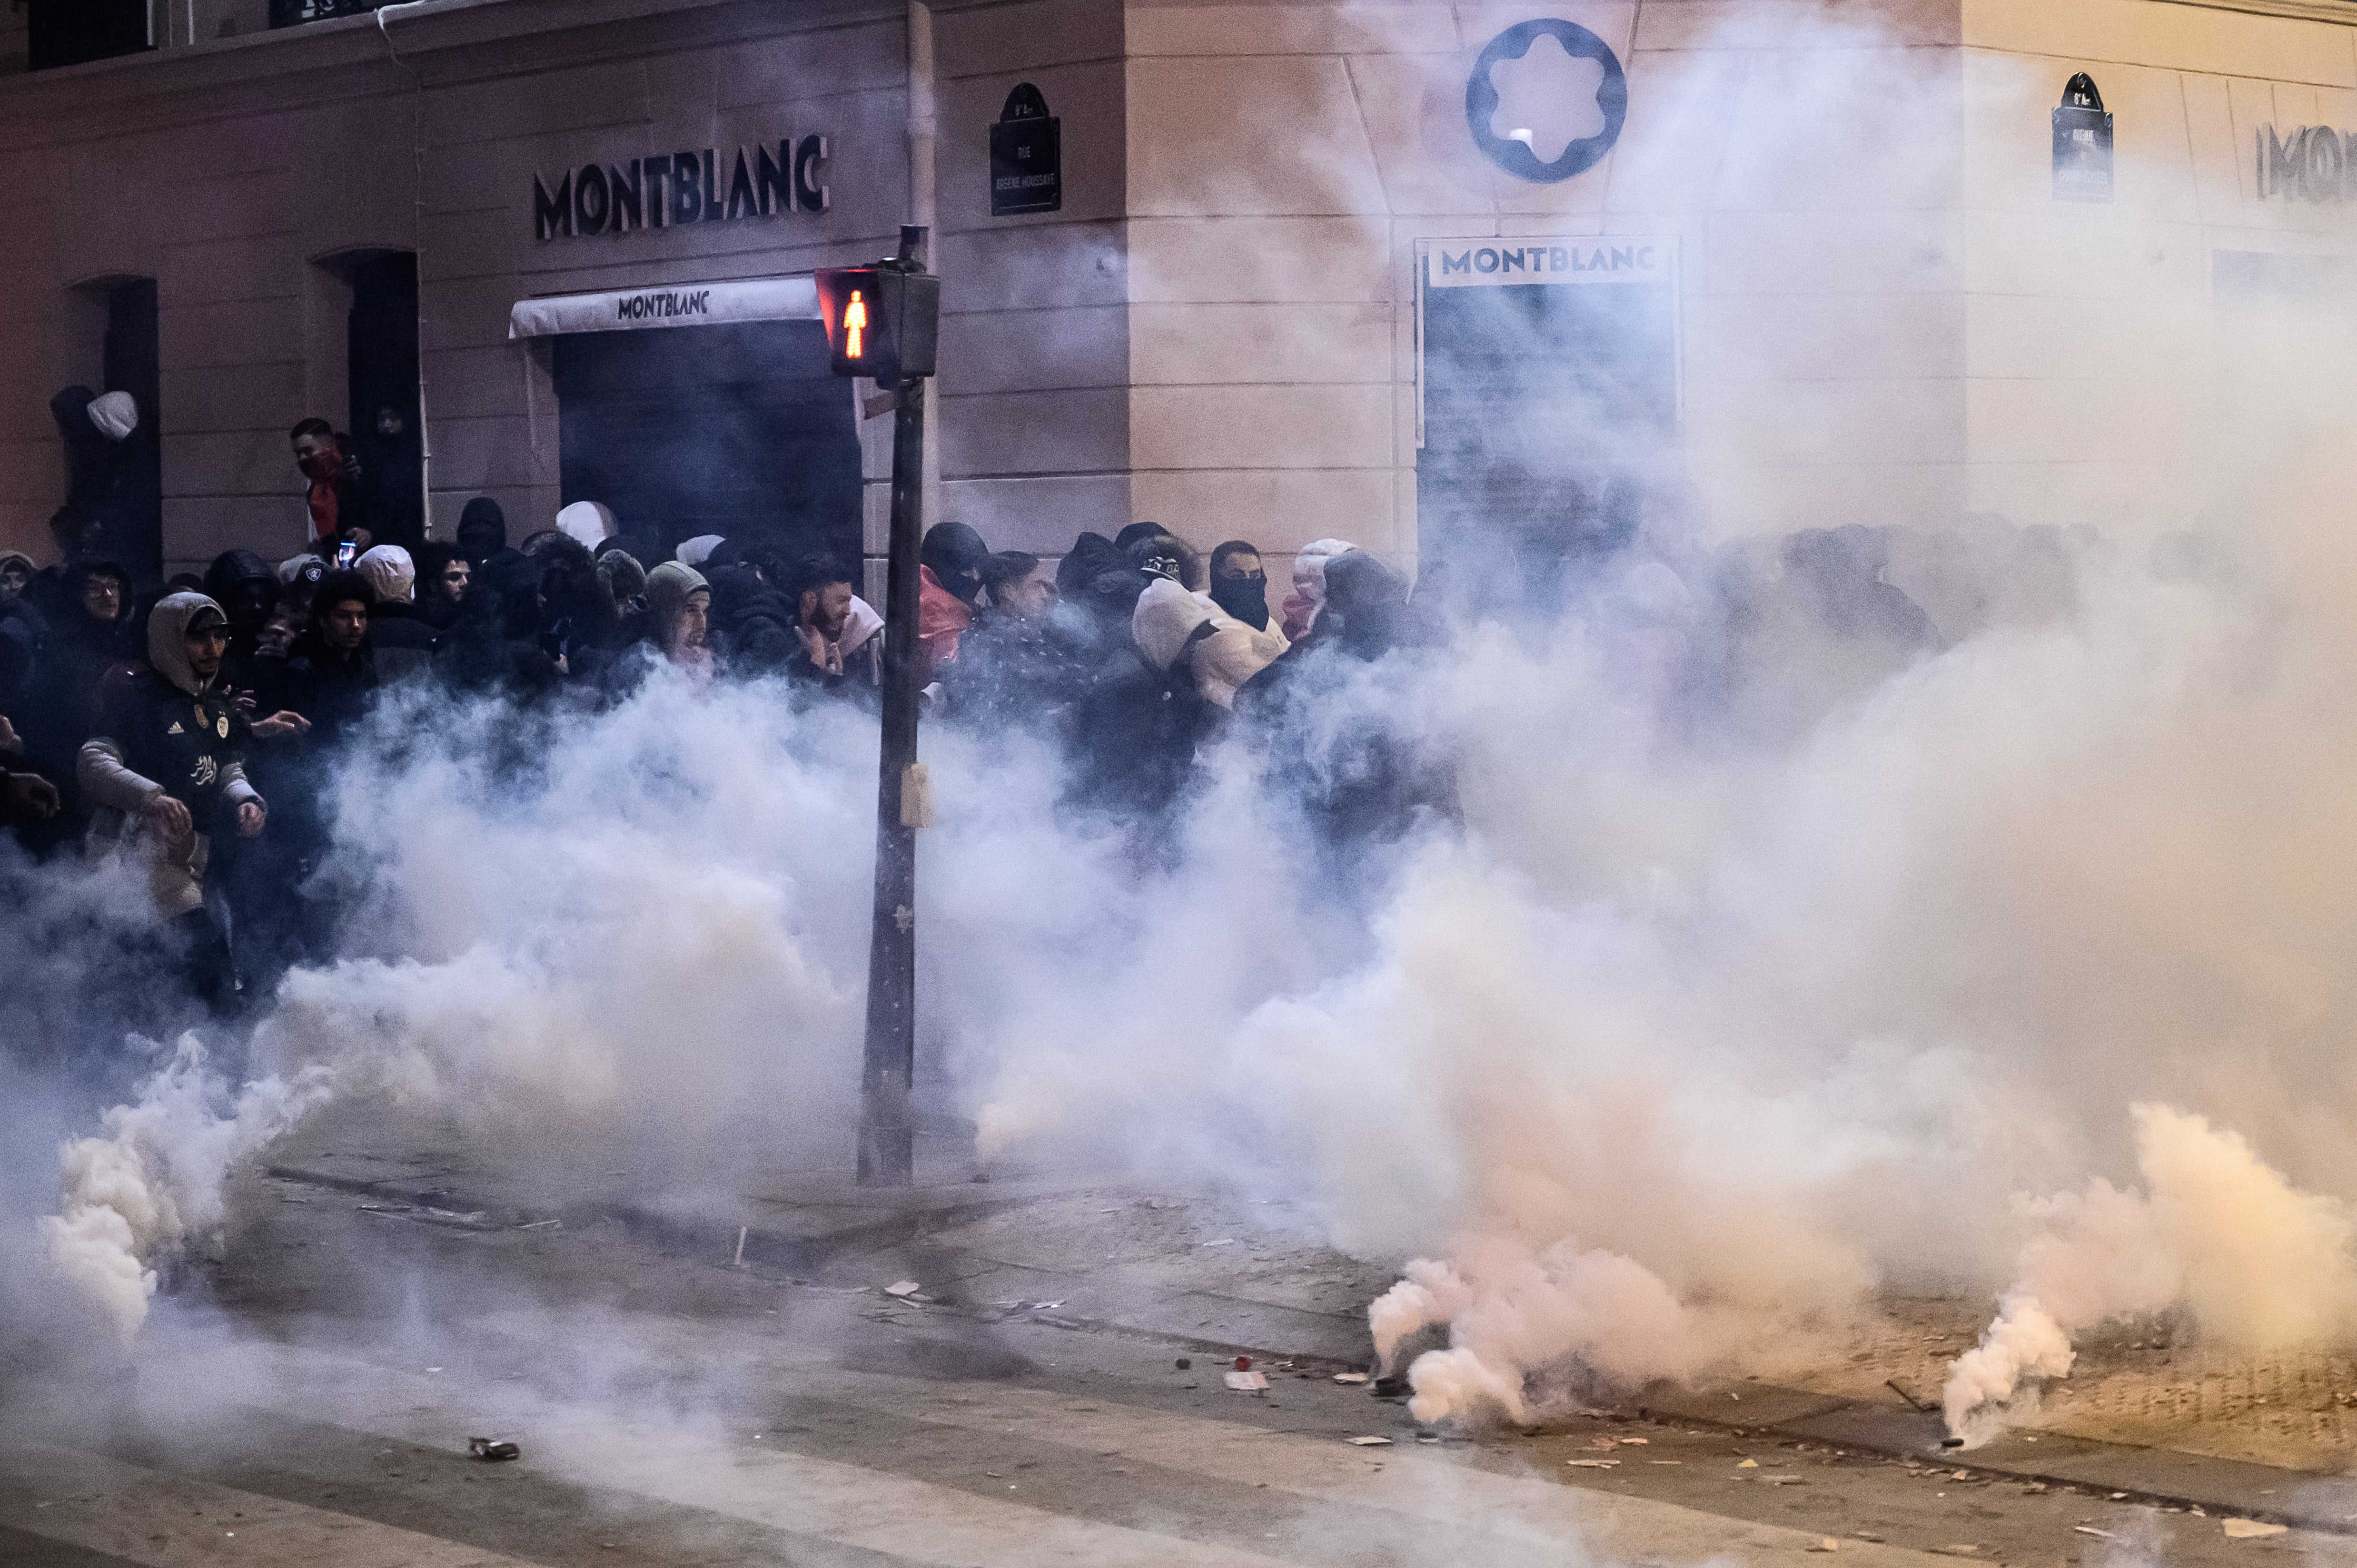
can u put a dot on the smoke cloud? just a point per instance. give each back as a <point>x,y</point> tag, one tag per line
<point>1772,953</point>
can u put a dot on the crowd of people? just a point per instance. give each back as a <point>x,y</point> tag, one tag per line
<point>195,727</point>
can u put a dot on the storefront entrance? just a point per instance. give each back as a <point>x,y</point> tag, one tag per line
<point>1548,375</point>
<point>737,430</point>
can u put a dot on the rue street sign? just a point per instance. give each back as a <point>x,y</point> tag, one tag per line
<point>1026,156</point>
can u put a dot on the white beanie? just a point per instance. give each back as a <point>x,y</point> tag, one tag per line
<point>116,414</point>
<point>696,551</point>
<point>390,571</point>
<point>591,523</point>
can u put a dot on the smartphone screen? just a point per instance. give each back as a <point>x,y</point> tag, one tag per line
<point>345,553</point>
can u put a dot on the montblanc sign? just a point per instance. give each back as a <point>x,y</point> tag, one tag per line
<point>2315,163</point>
<point>668,190</point>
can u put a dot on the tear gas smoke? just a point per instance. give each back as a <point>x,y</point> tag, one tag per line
<point>2257,1266</point>
<point>153,1182</point>
<point>1778,951</point>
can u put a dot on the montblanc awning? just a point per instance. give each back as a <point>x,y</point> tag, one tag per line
<point>672,304</point>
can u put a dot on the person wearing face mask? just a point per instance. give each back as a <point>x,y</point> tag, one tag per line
<point>332,478</point>
<point>1240,584</point>
<point>166,772</point>
<point>949,583</point>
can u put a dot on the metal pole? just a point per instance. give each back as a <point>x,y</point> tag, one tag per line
<point>886,1137</point>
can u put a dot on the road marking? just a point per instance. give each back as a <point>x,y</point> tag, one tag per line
<point>170,1521</point>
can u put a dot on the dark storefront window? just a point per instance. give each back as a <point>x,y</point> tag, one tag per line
<point>73,32</point>
<point>295,13</point>
<point>134,365</point>
<point>381,361</point>
<point>1549,409</point>
<point>739,431</point>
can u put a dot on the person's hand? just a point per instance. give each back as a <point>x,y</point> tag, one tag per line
<point>245,703</point>
<point>250,815</point>
<point>284,722</point>
<point>169,815</point>
<point>823,655</point>
<point>9,739</point>
<point>32,794</point>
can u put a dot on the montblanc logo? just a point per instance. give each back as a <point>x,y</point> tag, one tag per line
<point>1547,99</point>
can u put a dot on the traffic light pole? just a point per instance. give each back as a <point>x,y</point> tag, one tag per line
<point>887,1132</point>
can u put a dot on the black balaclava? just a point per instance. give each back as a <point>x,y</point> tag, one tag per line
<point>1244,594</point>
<point>955,553</point>
<point>482,531</point>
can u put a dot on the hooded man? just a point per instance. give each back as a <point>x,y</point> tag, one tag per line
<point>166,773</point>
<point>591,523</point>
<point>1240,584</point>
<point>680,603</point>
<point>397,632</point>
<point>482,531</point>
<point>949,579</point>
<point>96,431</point>
<point>1309,594</point>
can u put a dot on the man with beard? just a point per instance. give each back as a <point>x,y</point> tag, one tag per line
<point>167,773</point>
<point>834,649</point>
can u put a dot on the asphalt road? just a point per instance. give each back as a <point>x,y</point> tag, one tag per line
<point>308,1399</point>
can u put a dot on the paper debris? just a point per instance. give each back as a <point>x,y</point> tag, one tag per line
<point>2249,1528</point>
<point>1368,1442</point>
<point>1749,1465</point>
<point>902,1288</point>
<point>2098,1534</point>
<point>1640,1441</point>
<point>1248,1382</point>
<point>1595,1464</point>
<point>1828,1544</point>
<point>492,1451</point>
<point>1349,1377</point>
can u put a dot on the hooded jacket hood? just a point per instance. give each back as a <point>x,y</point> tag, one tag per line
<point>115,416</point>
<point>669,586</point>
<point>390,571</point>
<point>167,636</point>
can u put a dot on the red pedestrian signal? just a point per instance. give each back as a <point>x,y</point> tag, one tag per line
<point>880,321</point>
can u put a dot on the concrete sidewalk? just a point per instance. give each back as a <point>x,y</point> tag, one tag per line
<point>1199,1274</point>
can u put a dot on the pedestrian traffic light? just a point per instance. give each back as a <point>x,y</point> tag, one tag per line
<point>881,321</point>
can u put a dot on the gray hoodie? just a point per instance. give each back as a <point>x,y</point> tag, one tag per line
<point>122,795</point>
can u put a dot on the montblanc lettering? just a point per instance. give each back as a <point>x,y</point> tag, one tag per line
<point>712,184</point>
<point>2315,163</point>
<point>663,305</point>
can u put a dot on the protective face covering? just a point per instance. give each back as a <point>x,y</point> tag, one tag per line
<point>1244,594</point>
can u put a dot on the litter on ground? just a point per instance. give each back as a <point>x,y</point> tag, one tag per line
<point>2250,1529</point>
